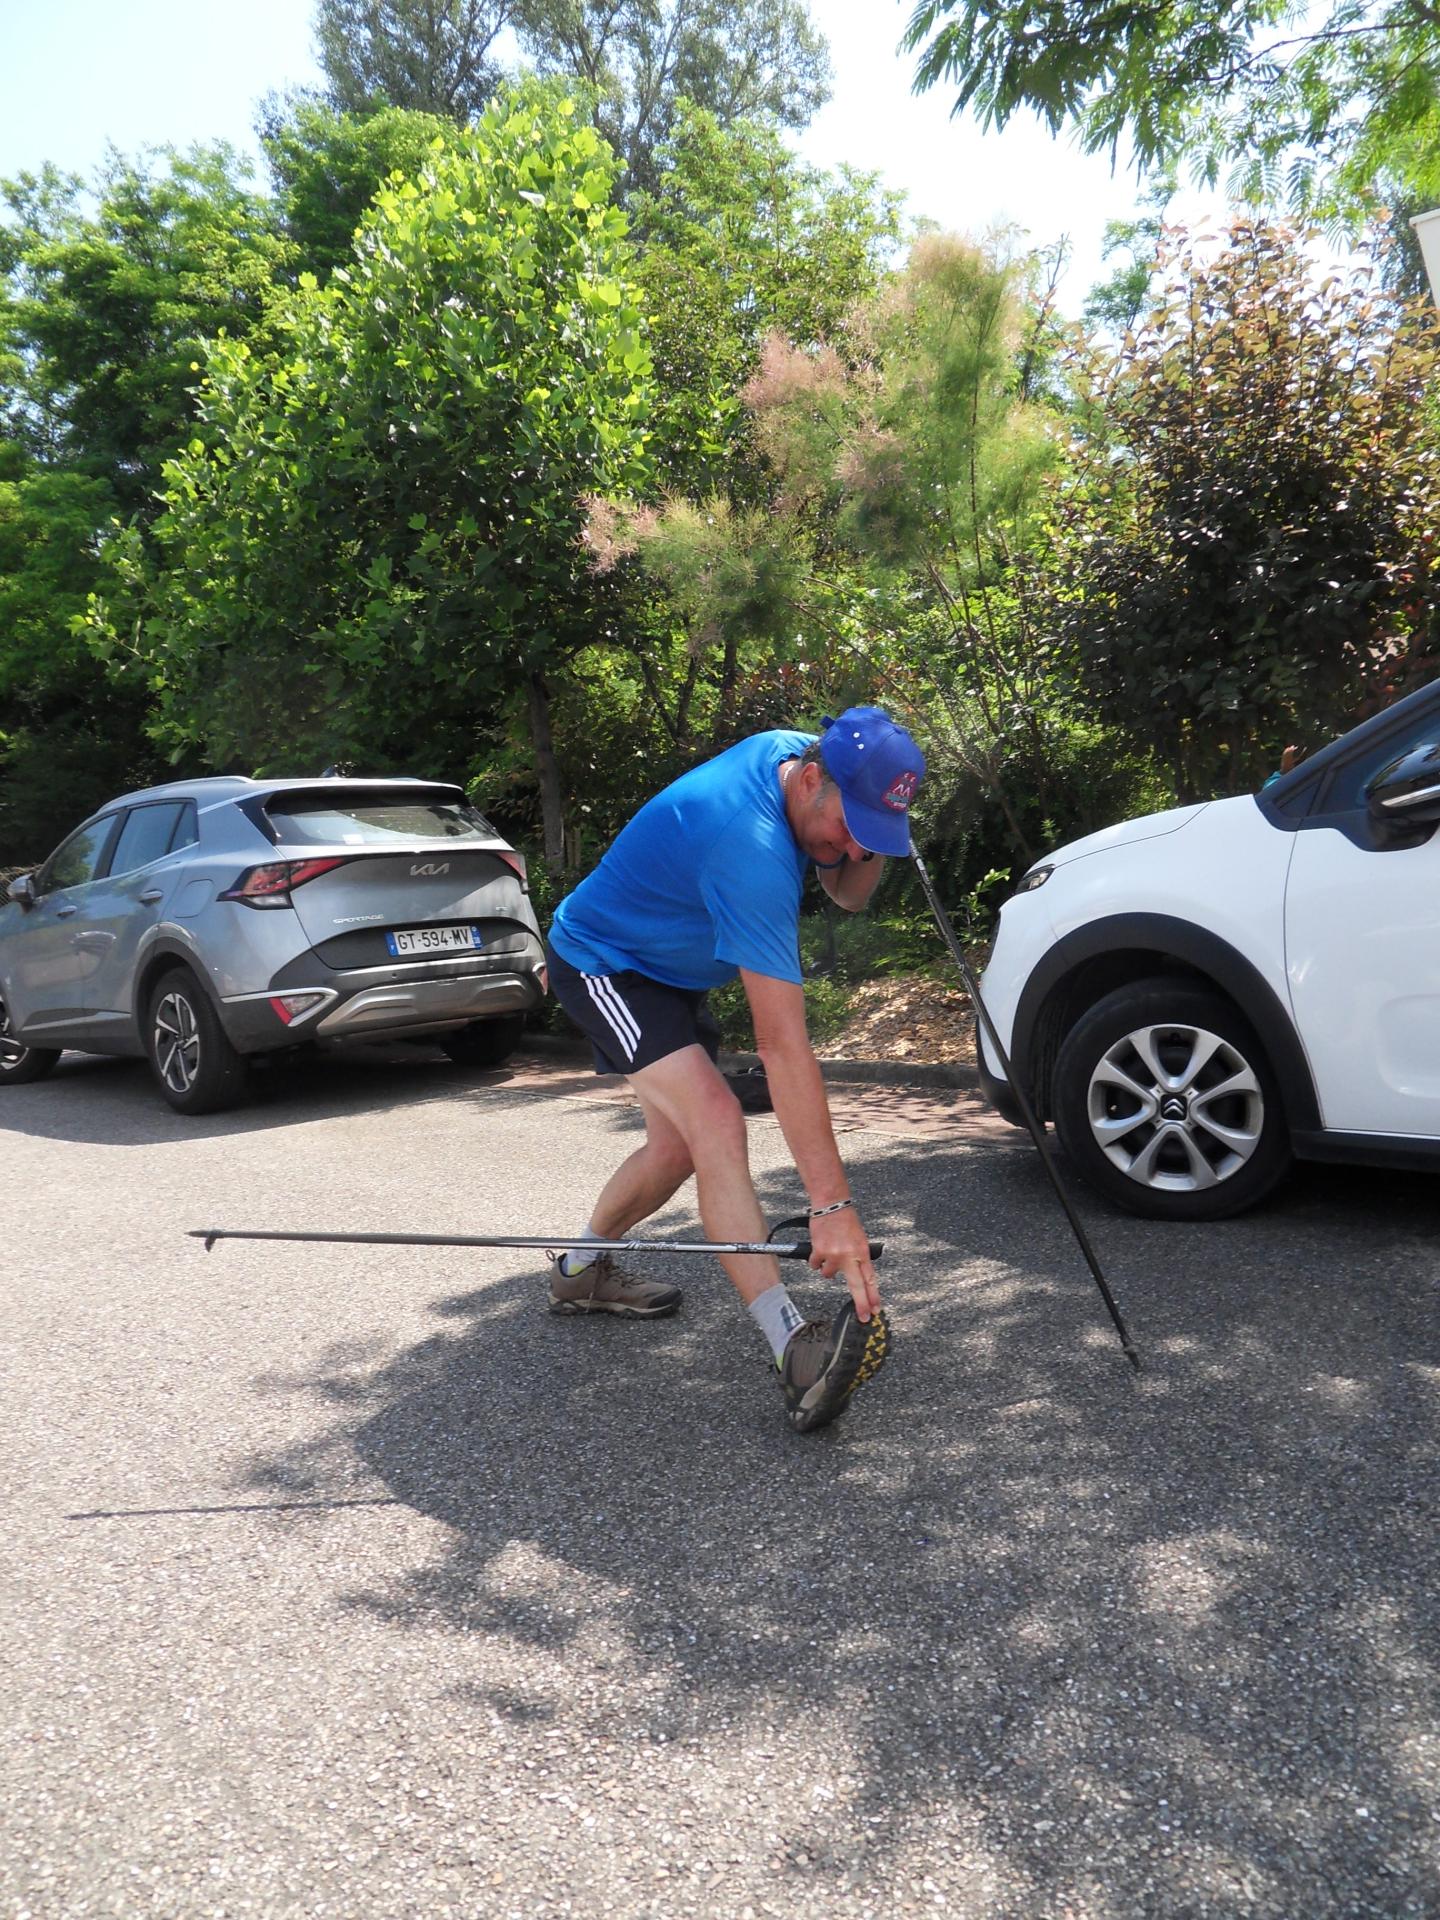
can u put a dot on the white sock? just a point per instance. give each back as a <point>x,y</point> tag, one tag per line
<point>572,1262</point>
<point>777,1317</point>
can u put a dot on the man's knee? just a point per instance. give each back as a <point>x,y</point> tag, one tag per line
<point>717,1129</point>
<point>670,1158</point>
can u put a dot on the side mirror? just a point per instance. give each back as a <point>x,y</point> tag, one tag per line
<point>23,890</point>
<point>1407,792</point>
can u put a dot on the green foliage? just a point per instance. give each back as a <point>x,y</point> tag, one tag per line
<point>431,56</point>
<point>923,455</point>
<point>381,516</point>
<point>646,59</point>
<point>107,310</point>
<point>638,63</point>
<point>1247,553</point>
<point>742,239</point>
<point>327,167</point>
<point>1324,106</point>
<point>108,303</point>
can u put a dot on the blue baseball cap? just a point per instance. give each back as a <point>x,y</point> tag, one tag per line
<point>877,767</point>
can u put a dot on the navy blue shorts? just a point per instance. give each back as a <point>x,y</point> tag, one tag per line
<point>630,1020</point>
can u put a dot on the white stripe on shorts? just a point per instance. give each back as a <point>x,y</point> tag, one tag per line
<point>613,1010</point>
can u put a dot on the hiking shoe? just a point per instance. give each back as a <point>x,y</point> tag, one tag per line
<point>824,1364</point>
<point>604,1287</point>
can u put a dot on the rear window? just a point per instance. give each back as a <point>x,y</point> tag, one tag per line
<point>370,820</point>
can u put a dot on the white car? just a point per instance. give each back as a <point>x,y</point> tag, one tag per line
<point>1196,997</point>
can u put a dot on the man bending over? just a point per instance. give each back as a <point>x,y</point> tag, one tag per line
<point>703,883</point>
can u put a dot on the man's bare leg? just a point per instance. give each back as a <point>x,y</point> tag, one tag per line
<point>689,1092</point>
<point>642,1184</point>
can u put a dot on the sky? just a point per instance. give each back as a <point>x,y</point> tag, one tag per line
<point>78,74</point>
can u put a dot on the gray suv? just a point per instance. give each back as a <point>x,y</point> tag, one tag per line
<point>209,922</point>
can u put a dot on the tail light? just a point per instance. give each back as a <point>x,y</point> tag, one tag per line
<point>272,885</point>
<point>517,862</point>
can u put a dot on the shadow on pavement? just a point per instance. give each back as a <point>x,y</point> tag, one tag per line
<point>1164,1644</point>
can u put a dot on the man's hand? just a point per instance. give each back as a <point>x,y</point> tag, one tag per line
<point>840,1247</point>
<point>851,886</point>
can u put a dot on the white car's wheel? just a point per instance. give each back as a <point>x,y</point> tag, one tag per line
<point>1166,1102</point>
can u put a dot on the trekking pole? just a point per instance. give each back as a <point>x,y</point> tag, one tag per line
<point>1022,1099</point>
<point>584,1243</point>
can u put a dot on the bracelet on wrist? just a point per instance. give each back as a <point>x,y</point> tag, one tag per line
<point>835,1206</point>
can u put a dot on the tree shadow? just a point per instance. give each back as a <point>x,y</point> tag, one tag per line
<point>1154,1644</point>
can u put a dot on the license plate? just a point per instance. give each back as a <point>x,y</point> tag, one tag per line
<point>435,940</point>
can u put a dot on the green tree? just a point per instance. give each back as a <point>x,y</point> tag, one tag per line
<point>739,239</point>
<point>107,302</point>
<point>434,56</point>
<point>1247,552</point>
<point>636,61</point>
<point>642,59</point>
<point>1330,107</point>
<point>67,738</point>
<point>378,524</point>
<point>327,166</point>
<point>896,552</point>
<point>107,307</point>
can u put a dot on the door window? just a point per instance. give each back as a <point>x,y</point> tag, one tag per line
<point>187,832</point>
<point>145,837</point>
<point>75,860</point>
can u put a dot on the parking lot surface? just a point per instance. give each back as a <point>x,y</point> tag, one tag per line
<point>347,1582</point>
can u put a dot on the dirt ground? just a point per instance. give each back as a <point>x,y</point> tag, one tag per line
<point>912,1020</point>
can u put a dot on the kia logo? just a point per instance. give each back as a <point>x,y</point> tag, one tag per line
<point>430,868</point>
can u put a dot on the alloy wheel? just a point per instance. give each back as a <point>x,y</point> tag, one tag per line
<point>177,1042</point>
<point>1175,1107</point>
<point>11,1051</point>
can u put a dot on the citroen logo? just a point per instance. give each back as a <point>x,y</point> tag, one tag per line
<point>1173,1109</point>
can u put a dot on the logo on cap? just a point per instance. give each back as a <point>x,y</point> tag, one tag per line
<point>902,792</point>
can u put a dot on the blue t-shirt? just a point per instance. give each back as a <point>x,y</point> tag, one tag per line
<point>703,881</point>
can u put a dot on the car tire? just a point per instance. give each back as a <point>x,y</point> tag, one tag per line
<point>19,1063</point>
<point>485,1043</point>
<point>195,1067</point>
<point>1165,1101</point>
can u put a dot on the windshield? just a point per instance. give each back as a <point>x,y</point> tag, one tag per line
<point>368,820</point>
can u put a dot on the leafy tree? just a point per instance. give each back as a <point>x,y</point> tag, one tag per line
<point>1247,552</point>
<point>641,59</point>
<point>741,239</point>
<point>107,308</point>
<point>378,525</point>
<point>107,301</point>
<point>67,739</point>
<point>897,551</point>
<point>636,60</point>
<point>328,165</point>
<point>1329,106</point>
<point>430,55</point>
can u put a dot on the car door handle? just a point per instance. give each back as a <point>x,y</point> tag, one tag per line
<point>64,913</point>
<point>152,894</point>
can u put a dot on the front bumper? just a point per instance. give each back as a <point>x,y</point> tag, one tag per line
<point>997,1090</point>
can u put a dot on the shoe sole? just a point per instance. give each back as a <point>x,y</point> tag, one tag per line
<point>620,1308</point>
<point>858,1358</point>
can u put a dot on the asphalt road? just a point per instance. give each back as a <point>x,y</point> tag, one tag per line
<point>350,1583</point>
